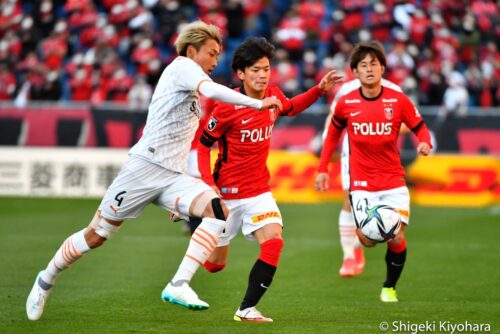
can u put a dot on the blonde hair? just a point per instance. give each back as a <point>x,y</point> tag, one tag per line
<point>196,34</point>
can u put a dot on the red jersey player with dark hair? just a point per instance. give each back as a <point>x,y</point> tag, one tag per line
<point>373,115</point>
<point>241,175</point>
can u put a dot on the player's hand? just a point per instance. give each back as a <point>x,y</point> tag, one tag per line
<point>217,191</point>
<point>423,149</point>
<point>322,181</point>
<point>271,102</point>
<point>329,80</point>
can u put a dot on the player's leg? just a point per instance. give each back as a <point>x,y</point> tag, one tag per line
<point>191,197</point>
<point>395,257</point>
<point>72,249</point>
<point>267,219</point>
<point>123,199</point>
<point>353,261</point>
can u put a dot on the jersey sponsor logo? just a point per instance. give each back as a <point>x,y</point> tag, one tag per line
<point>212,123</point>
<point>360,184</point>
<point>226,190</point>
<point>239,106</point>
<point>263,216</point>
<point>355,113</point>
<point>372,129</point>
<point>272,114</point>
<point>245,121</point>
<point>389,100</point>
<point>256,135</point>
<point>389,113</point>
<point>347,101</point>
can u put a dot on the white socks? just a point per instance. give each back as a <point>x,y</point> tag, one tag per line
<point>202,244</point>
<point>71,250</point>
<point>348,238</point>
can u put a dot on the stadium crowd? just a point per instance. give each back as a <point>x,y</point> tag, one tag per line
<point>115,50</point>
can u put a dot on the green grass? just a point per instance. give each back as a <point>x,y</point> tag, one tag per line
<point>452,274</point>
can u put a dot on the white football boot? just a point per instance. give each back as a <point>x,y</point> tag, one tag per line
<point>250,314</point>
<point>36,300</point>
<point>184,296</point>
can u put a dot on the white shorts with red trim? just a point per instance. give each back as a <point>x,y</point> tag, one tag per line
<point>141,182</point>
<point>249,215</point>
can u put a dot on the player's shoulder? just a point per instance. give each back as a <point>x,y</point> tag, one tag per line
<point>389,84</point>
<point>351,97</point>
<point>393,95</point>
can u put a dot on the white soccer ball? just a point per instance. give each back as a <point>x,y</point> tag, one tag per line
<point>381,224</point>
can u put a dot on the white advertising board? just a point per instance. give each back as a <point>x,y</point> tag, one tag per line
<point>64,172</point>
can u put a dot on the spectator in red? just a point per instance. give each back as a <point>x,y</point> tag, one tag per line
<point>216,17</point>
<point>312,12</point>
<point>399,63</point>
<point>291,34</point>
<point>380,22</point>
<point>55,47</point>
<point>10,16</point>
<point>81,86</point>
<point>419,27</point>
<point>143,54</point>
<point>7,83</point>
<point>284,73</point>
<point>118,86</point>
<point>81,14</point>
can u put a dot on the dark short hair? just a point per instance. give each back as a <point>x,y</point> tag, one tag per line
<point>250,51</point>
<point>373,48</point>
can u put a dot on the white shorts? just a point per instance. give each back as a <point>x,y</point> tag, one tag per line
<point>249,214</point>
<point>141,182</point>
<point>345,177</point>
<point>397,198</point>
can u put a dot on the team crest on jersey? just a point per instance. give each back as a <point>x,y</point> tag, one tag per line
<point>272,114</point>
<point>212,123</point>
<point>389,114</point>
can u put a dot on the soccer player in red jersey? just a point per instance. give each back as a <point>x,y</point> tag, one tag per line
<point>241,175</point>
<point>373,115</point>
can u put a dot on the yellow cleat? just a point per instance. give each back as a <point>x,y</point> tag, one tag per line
<point>388,295</point>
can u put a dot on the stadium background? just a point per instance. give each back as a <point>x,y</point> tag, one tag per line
<point>75,79</point>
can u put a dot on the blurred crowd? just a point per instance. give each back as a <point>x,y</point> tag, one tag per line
<point>115,50</point>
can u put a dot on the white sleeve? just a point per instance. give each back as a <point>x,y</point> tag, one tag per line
<point>218,92</point>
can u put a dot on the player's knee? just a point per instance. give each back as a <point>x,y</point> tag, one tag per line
<point>213,267</point>
<point>93,239</point>
<point>398,244</point>
<point>270,251</point>
<point>219,209</point>
<point>364,240</point>
<point>99,231</point>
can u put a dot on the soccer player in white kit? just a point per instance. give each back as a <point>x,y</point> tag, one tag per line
<point>354,260</point>
<point>156,171</point>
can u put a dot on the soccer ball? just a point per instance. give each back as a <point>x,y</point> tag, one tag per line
<point>382,223</point>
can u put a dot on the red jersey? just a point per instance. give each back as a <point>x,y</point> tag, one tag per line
<point>373,126</point>
<point>244,136</point>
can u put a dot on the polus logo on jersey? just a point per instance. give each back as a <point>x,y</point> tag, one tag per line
<point>212,123</point>
<point>372,129</point>
<point>256,135</point>
<point>389,113</point>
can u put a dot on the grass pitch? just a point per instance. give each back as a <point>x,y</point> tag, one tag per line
<point>452,275</point>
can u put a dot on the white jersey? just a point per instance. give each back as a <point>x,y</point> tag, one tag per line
<point>173,116</point>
